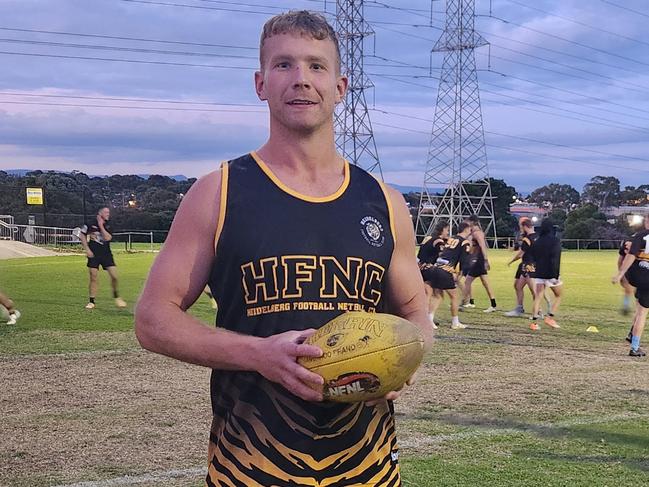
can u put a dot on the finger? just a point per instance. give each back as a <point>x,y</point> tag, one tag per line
<point>304,350</point>
<point>302,390</point>
<point>305,375</point>
<point>304,334</point>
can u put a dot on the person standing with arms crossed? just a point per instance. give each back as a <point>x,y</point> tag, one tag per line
<point>96,242</point>
<point>546,253</point>
<point>334,238</point>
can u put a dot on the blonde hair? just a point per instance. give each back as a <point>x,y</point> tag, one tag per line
<point>300,22</point>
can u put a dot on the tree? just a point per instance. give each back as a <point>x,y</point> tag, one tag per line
<point>603,191</point>
<point>633,196</point>
<point>502,195</point>
<point>555,195</point>
<point>585,223</point>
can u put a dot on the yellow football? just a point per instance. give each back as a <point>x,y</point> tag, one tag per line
<point>365,355</point>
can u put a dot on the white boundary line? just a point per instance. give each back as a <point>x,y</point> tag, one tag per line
<point>128,480</point>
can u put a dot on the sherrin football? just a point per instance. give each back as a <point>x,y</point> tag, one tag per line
<point>365,355</point>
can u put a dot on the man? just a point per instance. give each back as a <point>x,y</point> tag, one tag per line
<point>427,257</point>
<point>525,272</point>
<point>12,313</point>
<point>627,288</point>
<point>635,268</point>
<point>443,275</point>
<point>546,253</point>
<point>96,242</point>
<point>479,267</point>
<point>332,239</point>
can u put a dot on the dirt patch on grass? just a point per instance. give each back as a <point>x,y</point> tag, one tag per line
<point>94,416</point>
<point>90,416</point>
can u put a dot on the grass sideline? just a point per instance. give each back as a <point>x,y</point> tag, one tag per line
<point>494,404</point>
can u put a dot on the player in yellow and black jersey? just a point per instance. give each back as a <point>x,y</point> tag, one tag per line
<point>635,267</point>
<point>427,256</point>
<point>288,237</point>
<point>525,271</point>
<point>442,277</point>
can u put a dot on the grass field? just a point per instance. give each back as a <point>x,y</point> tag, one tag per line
<point>494,405</point>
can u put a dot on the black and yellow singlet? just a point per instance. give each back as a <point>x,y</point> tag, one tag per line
<point>286,261</point>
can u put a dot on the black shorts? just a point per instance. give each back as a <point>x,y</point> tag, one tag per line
<point>103,260</point>
<point>426,271</point>
<point>478,268</point>
<point>642,295</point>
<point>438,278</point>
<point>528,270</point>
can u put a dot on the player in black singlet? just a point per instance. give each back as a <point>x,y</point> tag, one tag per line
<point>635,267</point>
<point>478,268</point>
<point>96,242</point>
<point>525,271</point>
<point>427,256</point>
<point>288,237</point>
<point>443,276</point>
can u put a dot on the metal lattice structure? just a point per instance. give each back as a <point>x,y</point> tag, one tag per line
<point>354,136</point>
<point>456,182</point>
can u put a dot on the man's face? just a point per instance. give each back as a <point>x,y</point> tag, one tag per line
<point>300,80</point>
<point>104,213</point>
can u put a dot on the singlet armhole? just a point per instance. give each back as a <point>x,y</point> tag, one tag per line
<point>223,201</point>
<point>388,202</point>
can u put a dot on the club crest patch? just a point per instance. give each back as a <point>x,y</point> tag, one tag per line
<point>372,231</point>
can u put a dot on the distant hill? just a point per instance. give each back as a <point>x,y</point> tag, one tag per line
<point>23,172</point>
<point>406,189</point>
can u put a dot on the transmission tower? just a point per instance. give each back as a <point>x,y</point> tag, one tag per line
<point>456,182</point>
<point>354,136</point>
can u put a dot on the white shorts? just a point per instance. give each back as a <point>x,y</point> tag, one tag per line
<point>555,282</point>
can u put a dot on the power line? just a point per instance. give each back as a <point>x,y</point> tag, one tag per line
<point>122,38</point>
<point>139,100</point>
<point>130,107</point>
<point>123,49</point>
<point>200,7</point>
<point>637,12</point>
<point>136,61</point>
<point>552,156</point>
<point>579,22</point>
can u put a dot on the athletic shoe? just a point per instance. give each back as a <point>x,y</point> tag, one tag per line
<point>13,317</point>
<point>435,327</point>
<point>515,313</point>
<point>534,327</point>
<point>120,303</point>
<point>458,326</point>
<point>629,337</point>
<point>625,311</point>
<point>468,305</point>
<point>90,306</point>
<point>490,309</point>
<point>637,353</point>
<point>551,322</point>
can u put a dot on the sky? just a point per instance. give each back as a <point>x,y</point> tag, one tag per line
<point>166,86</point>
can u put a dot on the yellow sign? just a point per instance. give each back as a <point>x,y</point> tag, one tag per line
<point>34,196</point>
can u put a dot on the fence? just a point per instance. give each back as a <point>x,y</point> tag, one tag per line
<point>566,243</point>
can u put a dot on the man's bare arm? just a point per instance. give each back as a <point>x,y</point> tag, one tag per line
<point>626,264</point>
<point>83,239</point>
<point>177,279</point>
<point>406,292</point>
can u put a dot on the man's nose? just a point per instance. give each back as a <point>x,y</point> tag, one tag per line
<point>301,78</point>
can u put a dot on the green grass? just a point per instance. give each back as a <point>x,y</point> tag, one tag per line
<point>494,405</point>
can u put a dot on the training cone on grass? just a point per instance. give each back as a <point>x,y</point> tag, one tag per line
<point>592,329</point>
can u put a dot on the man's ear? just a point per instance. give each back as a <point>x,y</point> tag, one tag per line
<point>259,85</point>
<point>341,88</point>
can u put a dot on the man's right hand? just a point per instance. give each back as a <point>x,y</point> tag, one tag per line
<point>89,254</point>
<point>277,362</point>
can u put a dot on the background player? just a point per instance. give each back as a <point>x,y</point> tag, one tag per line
<point>427,255</point>
<point>546,253</point>
<point>636,269</point>
<point>479,267</point>
<point>323,221</point>
<point>525,271</point>
<point>12,312</point>
<point>442,277</point>
<point>96,242</point>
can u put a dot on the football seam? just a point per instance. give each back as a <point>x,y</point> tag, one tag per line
<point>369,353</point>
